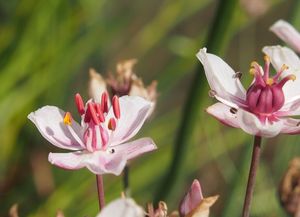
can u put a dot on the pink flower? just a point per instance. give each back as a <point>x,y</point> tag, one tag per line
<point>287,33</point>
<point>265,108</point>
<point>194,204</point>
<point>100,142</point>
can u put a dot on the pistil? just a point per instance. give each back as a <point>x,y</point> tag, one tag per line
<point>265,96</point>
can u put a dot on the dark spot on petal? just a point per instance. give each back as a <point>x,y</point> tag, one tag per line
<point>298,124</point>
<point>212,93</point>
<point>112,151</point>
<point>49,131</point>
<point>233,110</point>
<point>237,75</point>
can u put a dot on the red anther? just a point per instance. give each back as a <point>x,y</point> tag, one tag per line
<point>87,116</point>
<point>79,104</point>
<point>99,112</point>
<point>112,124</point>
<point>116,106</point>
<point>104,104</point>
<point>93,114</point>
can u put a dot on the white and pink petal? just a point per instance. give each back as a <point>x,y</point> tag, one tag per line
<point>98,162</point>
<point>287,33</point>
<point>245,120</point>
<point>222,79</point>
<point>135,148</point>
<point>69,161</point>
<point>225,114</point>
<point>251,124</point>
<point>134,111</point>
<point>49,121</point>
<point>291,126</point>
<point>283,55</point>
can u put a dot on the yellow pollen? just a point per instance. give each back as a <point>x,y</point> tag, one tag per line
<point>267,58</point>
<point>252,71</point>
<point>68,118</point>
<point>293,77</point>
<point>284,67</point>
<point>270,81</point>
<point>253,63</point>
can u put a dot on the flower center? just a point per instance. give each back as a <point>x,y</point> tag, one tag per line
<point>265,96</point>
<point>96,135</point>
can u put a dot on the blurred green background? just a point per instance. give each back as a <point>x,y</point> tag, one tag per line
<point>46,49</point>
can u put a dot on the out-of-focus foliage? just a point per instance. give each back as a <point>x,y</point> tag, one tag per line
<point>46,49</point>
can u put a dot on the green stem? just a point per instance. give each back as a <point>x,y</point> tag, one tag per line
<point>126,181</point>
<point>215,41</point>
<point>252,176</point>
<point>100,189</point>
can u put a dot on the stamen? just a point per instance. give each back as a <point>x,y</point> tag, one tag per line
<point>253,64</point>
<point>112,124</point>
<point>87,116</point>
<point>98,140</point>
<point>104,104</point>
<point>252,71</point>
<point>116,106</point>
<point>104,137</point>
<point>88,138</point>
<point>93,114</point>
<point>267,67</point>
<point>75,136</point>
<point>283,68</point>
<point>266,58</point>
<point>79,104</point>
<point>285,79</point>
<point>68,118</point>
<point>270,81</point>
<point>99,113</point>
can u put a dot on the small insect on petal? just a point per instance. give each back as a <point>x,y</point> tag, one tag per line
<point>79,104</point>
<point>116,106</point>
<point>112,124</point>
<point>68,118</point>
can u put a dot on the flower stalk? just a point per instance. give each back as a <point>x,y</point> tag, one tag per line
<point>100,189</point>
<point>252,175</point>
<point>126,180</point>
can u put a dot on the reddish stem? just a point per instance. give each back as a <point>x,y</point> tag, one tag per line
<point>252,175</point>
<point>100,188</point>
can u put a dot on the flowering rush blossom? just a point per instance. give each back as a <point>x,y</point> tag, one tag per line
<point>265,108</point>
<point>100,142</point>
<point>287,33</point>
<point>194,204</point>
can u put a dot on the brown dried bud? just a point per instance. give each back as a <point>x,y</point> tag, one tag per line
<point>96,86</point>
<point>13,211</point>
<point>60,214</point>
<point>255,8</point>
<point>123,82</point>
<point>289,188</point>
<point>202,210</point>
